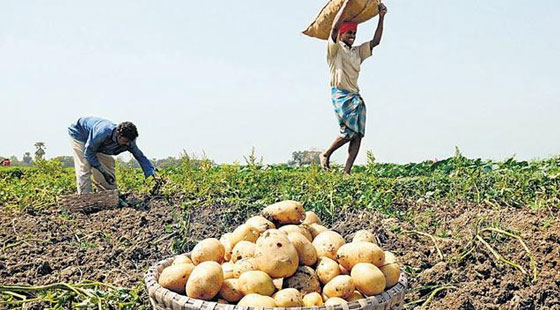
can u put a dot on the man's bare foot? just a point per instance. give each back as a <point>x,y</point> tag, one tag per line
<point>324,161</point>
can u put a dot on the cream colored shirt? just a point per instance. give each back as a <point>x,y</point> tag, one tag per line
<point>344,63</point>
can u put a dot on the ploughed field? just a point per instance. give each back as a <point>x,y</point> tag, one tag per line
<point>469,234</point>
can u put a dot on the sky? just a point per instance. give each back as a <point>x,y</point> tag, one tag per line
<point>216,78</point>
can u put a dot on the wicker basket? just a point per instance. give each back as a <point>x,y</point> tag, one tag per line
<point>164,299</point>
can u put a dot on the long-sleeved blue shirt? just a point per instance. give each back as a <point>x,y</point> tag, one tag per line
<point>100,136</point>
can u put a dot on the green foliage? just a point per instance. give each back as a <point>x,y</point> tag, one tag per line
<point>83,295</point>
<point>67,161</point>
<point>252,160</point>
<point>36,187</point>
<point>200,182</point>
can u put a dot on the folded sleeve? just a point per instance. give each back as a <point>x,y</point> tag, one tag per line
<point>332,48</point>
<point>365,51</point>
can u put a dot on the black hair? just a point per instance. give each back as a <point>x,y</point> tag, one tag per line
<point>127,130</point>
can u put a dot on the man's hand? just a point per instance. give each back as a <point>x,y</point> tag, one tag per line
<point>379,31</point>
<point>108,177</point>
<point>157,179</point>
<point>159,183</point>
<point>382,9</point>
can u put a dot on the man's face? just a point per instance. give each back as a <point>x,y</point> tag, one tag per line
<point>348,37</point>
<point>123,140</point>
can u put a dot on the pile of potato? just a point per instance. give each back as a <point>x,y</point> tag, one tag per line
<point>284,258</point>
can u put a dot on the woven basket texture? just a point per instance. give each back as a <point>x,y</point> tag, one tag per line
<point>357,11</point>
<point>164,299</point>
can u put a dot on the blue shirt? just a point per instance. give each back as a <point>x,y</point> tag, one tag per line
<point>100,136</point>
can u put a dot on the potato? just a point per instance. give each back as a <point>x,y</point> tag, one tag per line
<point>276,255</point>
<point>353,253</point>
<point>327,243</point>
<point>312,300</point>
<point>205,281</point>
<point>285,212</point>
<point>339,286</point>
<point>225,240</point>
<point>274,232</point>
<point>305,231</point>
<point>256,281</point>
<point>310,218</point>
<point>364,235</point>
<point>306,251</point>
<point>356,295</point>
<point>227,268</point>
<point>288,297</point>
<point>392,273</point>
<point>244,265</point>
<point>182,259</point>
<point>389,258</point>
<point>327,269</point>
<point>287,229</point>
<point>305,280</point>
<point>343,270</point>
<point>256,300</point>
<point>315,229</point>
<point>278,283</point>
<point>335,301</point>
<point>260,223</point>
<point>175,277</point>
<point>210,249</point>
<point>244,232</point>
<point>391,270</point>
<point>243,249</point>
<point>368,279</point>
<point>230,290</point>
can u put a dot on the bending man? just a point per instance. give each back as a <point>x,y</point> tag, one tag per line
<point>344,61</point>
<point>94,142</point>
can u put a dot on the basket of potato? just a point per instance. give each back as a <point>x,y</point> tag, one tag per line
<point>282,259</point>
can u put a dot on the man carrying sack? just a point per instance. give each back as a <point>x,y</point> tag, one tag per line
<point>94,141</point>
<point>344,61</point>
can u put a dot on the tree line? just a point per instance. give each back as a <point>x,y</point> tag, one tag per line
<point>299,158</point>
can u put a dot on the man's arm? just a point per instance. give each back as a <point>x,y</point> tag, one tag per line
<point>94,141</point>
<point>146,165</point>
<point>379,31</point>
<point>338,21</point>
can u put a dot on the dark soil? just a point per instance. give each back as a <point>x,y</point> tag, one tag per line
<point>117,246</point>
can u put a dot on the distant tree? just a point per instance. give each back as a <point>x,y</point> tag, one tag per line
<point>40,152</point>
<point>14,161</point>
<point>67,161</point>
<point>131,163</point>
<point>302,158</point>
<point>27,159</point>
<point>167,162</point>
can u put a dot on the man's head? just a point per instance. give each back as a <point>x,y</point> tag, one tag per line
<point>347,32</point>
<point>126,133</point>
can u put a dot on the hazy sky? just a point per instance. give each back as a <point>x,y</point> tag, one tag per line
<point>220,77</point>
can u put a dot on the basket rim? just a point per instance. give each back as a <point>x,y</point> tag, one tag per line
<point>170,298</point>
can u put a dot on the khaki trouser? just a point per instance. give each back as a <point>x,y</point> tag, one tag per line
<point>84,170</point>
